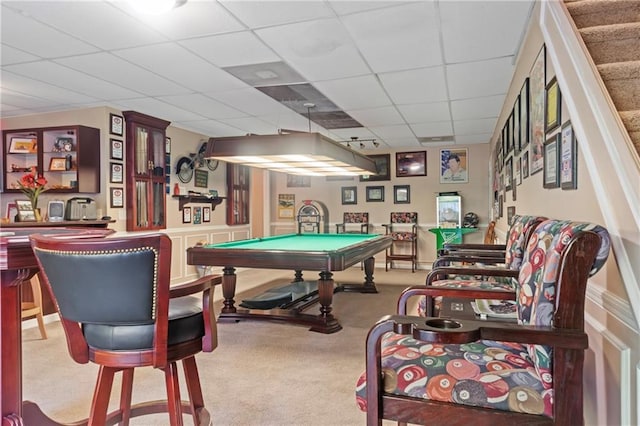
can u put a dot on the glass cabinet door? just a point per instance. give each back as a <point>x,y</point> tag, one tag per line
<point>145,169</point>
<point>237,194</point>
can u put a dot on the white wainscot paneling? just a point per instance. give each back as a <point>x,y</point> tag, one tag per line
<point>607,377</point>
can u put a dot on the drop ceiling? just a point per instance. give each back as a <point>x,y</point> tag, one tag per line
<point>407,74</point>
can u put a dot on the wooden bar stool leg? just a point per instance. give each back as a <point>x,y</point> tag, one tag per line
<point>101,395</point>
<point>125,395</point>
<point>195,390</point>
<point>173,394</point>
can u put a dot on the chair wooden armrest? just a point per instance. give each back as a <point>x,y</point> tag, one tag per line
<point>205,285</point>
<point>459,293</point>
<point>450,248</point>
<point>488,258</point>
<point>469,270</point>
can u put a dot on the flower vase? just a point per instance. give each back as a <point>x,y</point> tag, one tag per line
<point>37,214</point>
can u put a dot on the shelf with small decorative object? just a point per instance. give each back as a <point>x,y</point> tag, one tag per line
<point>186,199</point>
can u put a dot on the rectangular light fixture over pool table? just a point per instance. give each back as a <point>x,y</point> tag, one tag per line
<point>298,153</point>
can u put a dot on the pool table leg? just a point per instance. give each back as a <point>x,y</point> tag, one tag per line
<point>368,286</point>
<point>229,289</point>
<point>325,297</point>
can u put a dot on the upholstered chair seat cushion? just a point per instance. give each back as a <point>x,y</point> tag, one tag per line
<point>498,375</point>
<point>185,323</point>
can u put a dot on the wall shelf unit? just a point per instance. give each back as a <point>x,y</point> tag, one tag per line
<point>187,199</point>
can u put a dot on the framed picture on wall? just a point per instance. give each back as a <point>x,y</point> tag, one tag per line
<point>186,215</point>
<point>349,194</point>
<point>116,149</point>
<point>401,194</point>
<point>117,198</point>
<point>537,79</point>
<point>383,168</point>
<point>453,166</point>
<point>552,106</point>
<point>206,214</point>
<point>375,193</point>
<point>551,177</point>
<point>524,115</point>
<point>568,158</point>
<point>411,163</point>
<point>116,125</point>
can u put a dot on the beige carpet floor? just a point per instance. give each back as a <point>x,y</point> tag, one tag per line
<point>262,373</point>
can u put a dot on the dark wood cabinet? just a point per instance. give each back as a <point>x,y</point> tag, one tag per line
<point>238,177</point>
<point>67,156</point>
<point>145,171</point>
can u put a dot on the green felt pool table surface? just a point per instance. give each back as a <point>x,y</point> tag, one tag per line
<point>298,242</point>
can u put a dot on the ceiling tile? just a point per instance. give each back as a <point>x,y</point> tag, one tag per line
<point>347,134</point>
<point>440,128</point>
<point>9,55</point>
<point>319,50</point>
<point>483,78</point>
<point>211,128</point>
<point>27,85</point>
<point>157,108</point>
<point>71,79</point>
<point>395,131</point>
<point>402,38</point>
<point>355,92</point>
<point>251,125</point>
<point>415,86</point>
<point>93,22</point>
<point>484,107</point>
<point>400,142</point>
<point>473,139</point>
<point>169,59</point>
<point>425,113</point>
<point>256,14</point>
<point>57,43</point>
<point>345,7</point>
<point>203,106</point>
<point>19,100</point>
<point>250,101</point>
<point>377,116</point>
<point>118,71</point>
<point>478,30</point>
<point>240,48</point>
<point>193,19</point>
<point>470,127</point>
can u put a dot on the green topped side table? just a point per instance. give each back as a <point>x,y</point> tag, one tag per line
<point>450,235</point>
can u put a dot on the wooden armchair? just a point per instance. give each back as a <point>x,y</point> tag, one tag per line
<point>34,308</point>
<point>517,236</point>
<point>403,228</point>
<point>485,372</point>
<point>482,269</point>
<point>118,310</point>
<point>353,222</point>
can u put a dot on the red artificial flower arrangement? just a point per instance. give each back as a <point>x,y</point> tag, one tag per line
<point>32,186</point>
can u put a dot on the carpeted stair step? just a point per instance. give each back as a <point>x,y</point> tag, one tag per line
<point>623,83</point>
<point>613,43</point>
<point>592,13</point>
<point>631,120</point>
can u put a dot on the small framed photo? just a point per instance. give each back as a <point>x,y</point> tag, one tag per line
<point>206,214</point>
<point>453,165</point>
<point>349,194</point>
<point>401,194</point>
<point>197,215</point>
<point>25,211</point>
<point>167,145</point>
<point>383,168</point>
<point>568,158</point>
<point>57,164</point>
<point>552,106</point>
<point>508,173</point>
<point>117,173</point>
<point>411,163</point>
<point>20,145</point>
<point>551,177</point>
<point>186,215</point>
<point>525,165</point>
<point>117,198</point>
<point>511,212</point>
<point>12,211</point>
<point>116,125</point>
<point>116,151</point>
<point>375,193</point>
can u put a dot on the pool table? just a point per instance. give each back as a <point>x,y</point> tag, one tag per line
<point>298,252</point>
